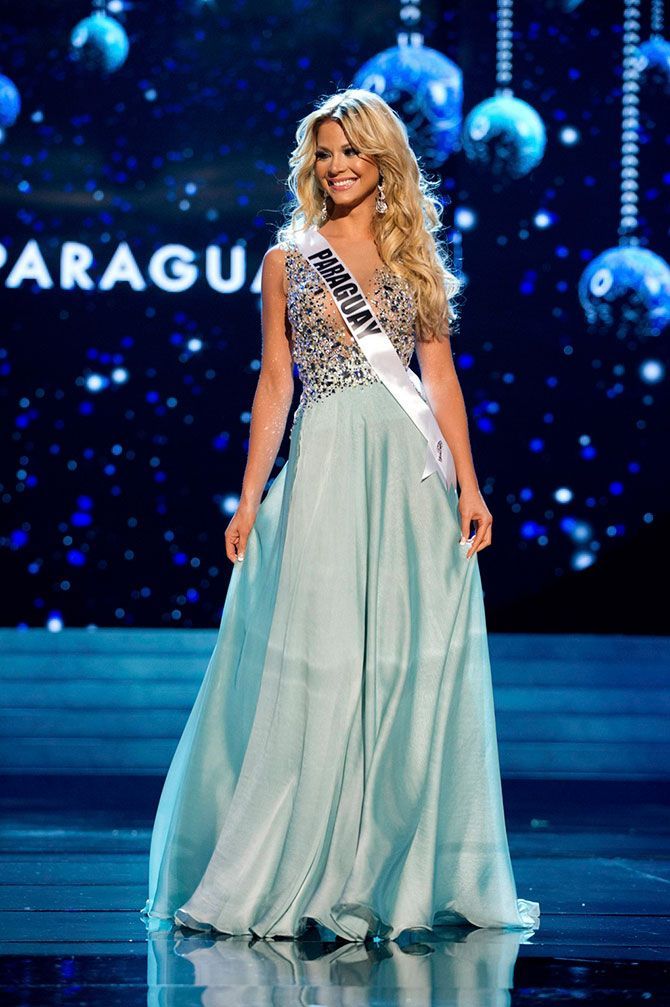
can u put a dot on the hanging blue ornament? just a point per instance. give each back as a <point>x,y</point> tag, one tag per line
<point>426,90</point>
<point>505,135</point>
<point>10,101</point>
<point>653,64</point>
<point>99,43</point>
<point>627,289</point>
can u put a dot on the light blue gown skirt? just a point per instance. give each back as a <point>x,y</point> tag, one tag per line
<point>340,765</point>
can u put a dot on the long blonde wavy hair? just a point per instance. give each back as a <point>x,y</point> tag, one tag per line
<point>406,236</point>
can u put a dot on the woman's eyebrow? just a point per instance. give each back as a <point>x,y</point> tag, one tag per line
<point>321,146</point>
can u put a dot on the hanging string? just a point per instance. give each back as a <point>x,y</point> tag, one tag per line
<point>504,47</point>
<point>656,18</point>
<point>630,125</point>
<point>410,18</point>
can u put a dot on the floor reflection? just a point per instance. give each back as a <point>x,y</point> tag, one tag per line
<point>446,966</point>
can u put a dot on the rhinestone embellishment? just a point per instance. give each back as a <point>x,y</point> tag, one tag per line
<point>327,357</point>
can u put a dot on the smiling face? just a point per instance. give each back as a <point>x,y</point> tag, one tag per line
<point>348,177</point>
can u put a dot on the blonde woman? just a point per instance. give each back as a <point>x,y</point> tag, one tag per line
<point>338,775</point>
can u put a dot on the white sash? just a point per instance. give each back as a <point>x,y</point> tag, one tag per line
<point>378,349</point>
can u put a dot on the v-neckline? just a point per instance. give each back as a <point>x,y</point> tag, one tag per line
<point>369,296</point>
<point>381,268</point>
<point>342,329</point>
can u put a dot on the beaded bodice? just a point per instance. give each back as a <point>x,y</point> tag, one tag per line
<point>327,356</point>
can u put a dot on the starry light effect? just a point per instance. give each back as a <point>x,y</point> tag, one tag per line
<point>126,410</point>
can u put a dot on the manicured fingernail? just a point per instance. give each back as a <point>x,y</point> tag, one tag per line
<point>240,558</point>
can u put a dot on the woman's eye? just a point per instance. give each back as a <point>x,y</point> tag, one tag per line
<point>352,150</point>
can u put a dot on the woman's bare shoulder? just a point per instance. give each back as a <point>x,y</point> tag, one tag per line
<point>274,264</point>
<point>275,254</point>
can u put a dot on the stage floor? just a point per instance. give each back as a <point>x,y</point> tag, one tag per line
<point>73,862</point>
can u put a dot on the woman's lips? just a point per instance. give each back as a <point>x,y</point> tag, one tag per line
<point>341,185</point>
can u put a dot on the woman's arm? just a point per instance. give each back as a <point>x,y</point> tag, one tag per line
<point>445,397</point>
<point>271,403</point>
<point>274,391</point>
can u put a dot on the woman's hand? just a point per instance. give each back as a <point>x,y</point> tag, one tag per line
<point>237,532</point>
<point>472,509</point>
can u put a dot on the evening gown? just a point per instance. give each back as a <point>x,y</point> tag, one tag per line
<point>339,768</point>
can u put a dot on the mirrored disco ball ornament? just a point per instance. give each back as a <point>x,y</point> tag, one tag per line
<point>627,289</point>
<point>99,43</point>
<point>653,64</point>
<point>10,101</point>
<point>504,135</point>
<point>426,90</point>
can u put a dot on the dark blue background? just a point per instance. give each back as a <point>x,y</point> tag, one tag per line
<point>112,503</point>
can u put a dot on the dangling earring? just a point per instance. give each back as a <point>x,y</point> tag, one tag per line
<point>324,208</point>
<point>381,205</point>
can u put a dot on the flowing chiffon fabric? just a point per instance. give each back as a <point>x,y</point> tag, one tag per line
<point>339,767</point>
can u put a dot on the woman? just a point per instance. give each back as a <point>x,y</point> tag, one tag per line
<point>339,769</point>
